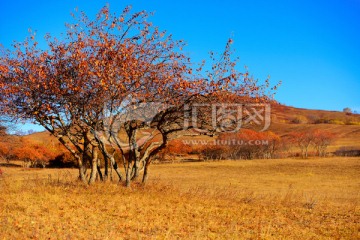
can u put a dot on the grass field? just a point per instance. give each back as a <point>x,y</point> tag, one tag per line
<point>257,199</point>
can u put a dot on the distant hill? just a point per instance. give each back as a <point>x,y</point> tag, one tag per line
<point>285,119</point>
<point>345,126</point>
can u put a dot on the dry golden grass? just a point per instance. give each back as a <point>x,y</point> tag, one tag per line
<point>261,199</point>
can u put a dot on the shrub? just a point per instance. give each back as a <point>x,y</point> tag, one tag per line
<point>303,140</point>
<point>245,144</point>
<point>299,120</point>
<point>215,153</point>
<point>347,152</point>
<point>352,121</point>
<point>175,148</point>
<point>347,110</point>
<point>64,160</point>
<point>319,139</point>
<point>336,121</point>
<point>35,154</point>
<point>322,120</point>
<point>312,118</point>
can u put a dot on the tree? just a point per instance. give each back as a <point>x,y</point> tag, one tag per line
<point>303,139</point>
<point>110,82</point>
<point>347,110</point>
<point>322,139</point>
<point>271,144</point>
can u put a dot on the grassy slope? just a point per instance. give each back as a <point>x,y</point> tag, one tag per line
<point>286,114</point>
<point>346,135</point>
<point>264,199</point>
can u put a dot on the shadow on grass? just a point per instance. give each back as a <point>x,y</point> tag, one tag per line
<point>9,165</point>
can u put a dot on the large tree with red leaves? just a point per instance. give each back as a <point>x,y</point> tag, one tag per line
<point>115,86</point>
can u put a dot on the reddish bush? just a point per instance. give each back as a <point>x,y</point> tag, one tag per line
<point>175,148</point>
<point>319,139</point>
<point>178,147</point>
<point>215,153</point>
<point>322,139</point>
<point>7,144</point>
<point>303,140</point>
<point>4,151</point>
<point>35,154</point>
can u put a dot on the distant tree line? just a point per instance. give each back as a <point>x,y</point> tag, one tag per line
<point>250,144</point>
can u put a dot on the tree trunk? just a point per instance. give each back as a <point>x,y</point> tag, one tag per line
<point>135,170</point>
<point>111,173</point>
<point>102,178</point>
<point>115,167</point>
<point>93,165</point>
<point>78,158</point>
<point>128,176</point>
<point>107,156</point>
<point>81,171</point>
<point>106,171</point>
<point>82,176</point>
<point>146,172</point>
<point>135,154</point>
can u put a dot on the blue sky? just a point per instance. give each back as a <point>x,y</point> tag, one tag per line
<point>313,47</point>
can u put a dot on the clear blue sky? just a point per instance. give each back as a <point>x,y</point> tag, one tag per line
<point>313,47</point>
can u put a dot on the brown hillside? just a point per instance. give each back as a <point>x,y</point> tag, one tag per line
<point>286,114</point>
<point>44,138</point>
<point>285,119</point>
<point>345,126</point>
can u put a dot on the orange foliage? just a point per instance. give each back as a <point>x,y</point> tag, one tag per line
<point>4,149</point>
<point>176,147</point>
<point>319,139</point>
<point>322,139</point>
<point>34,153</point>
